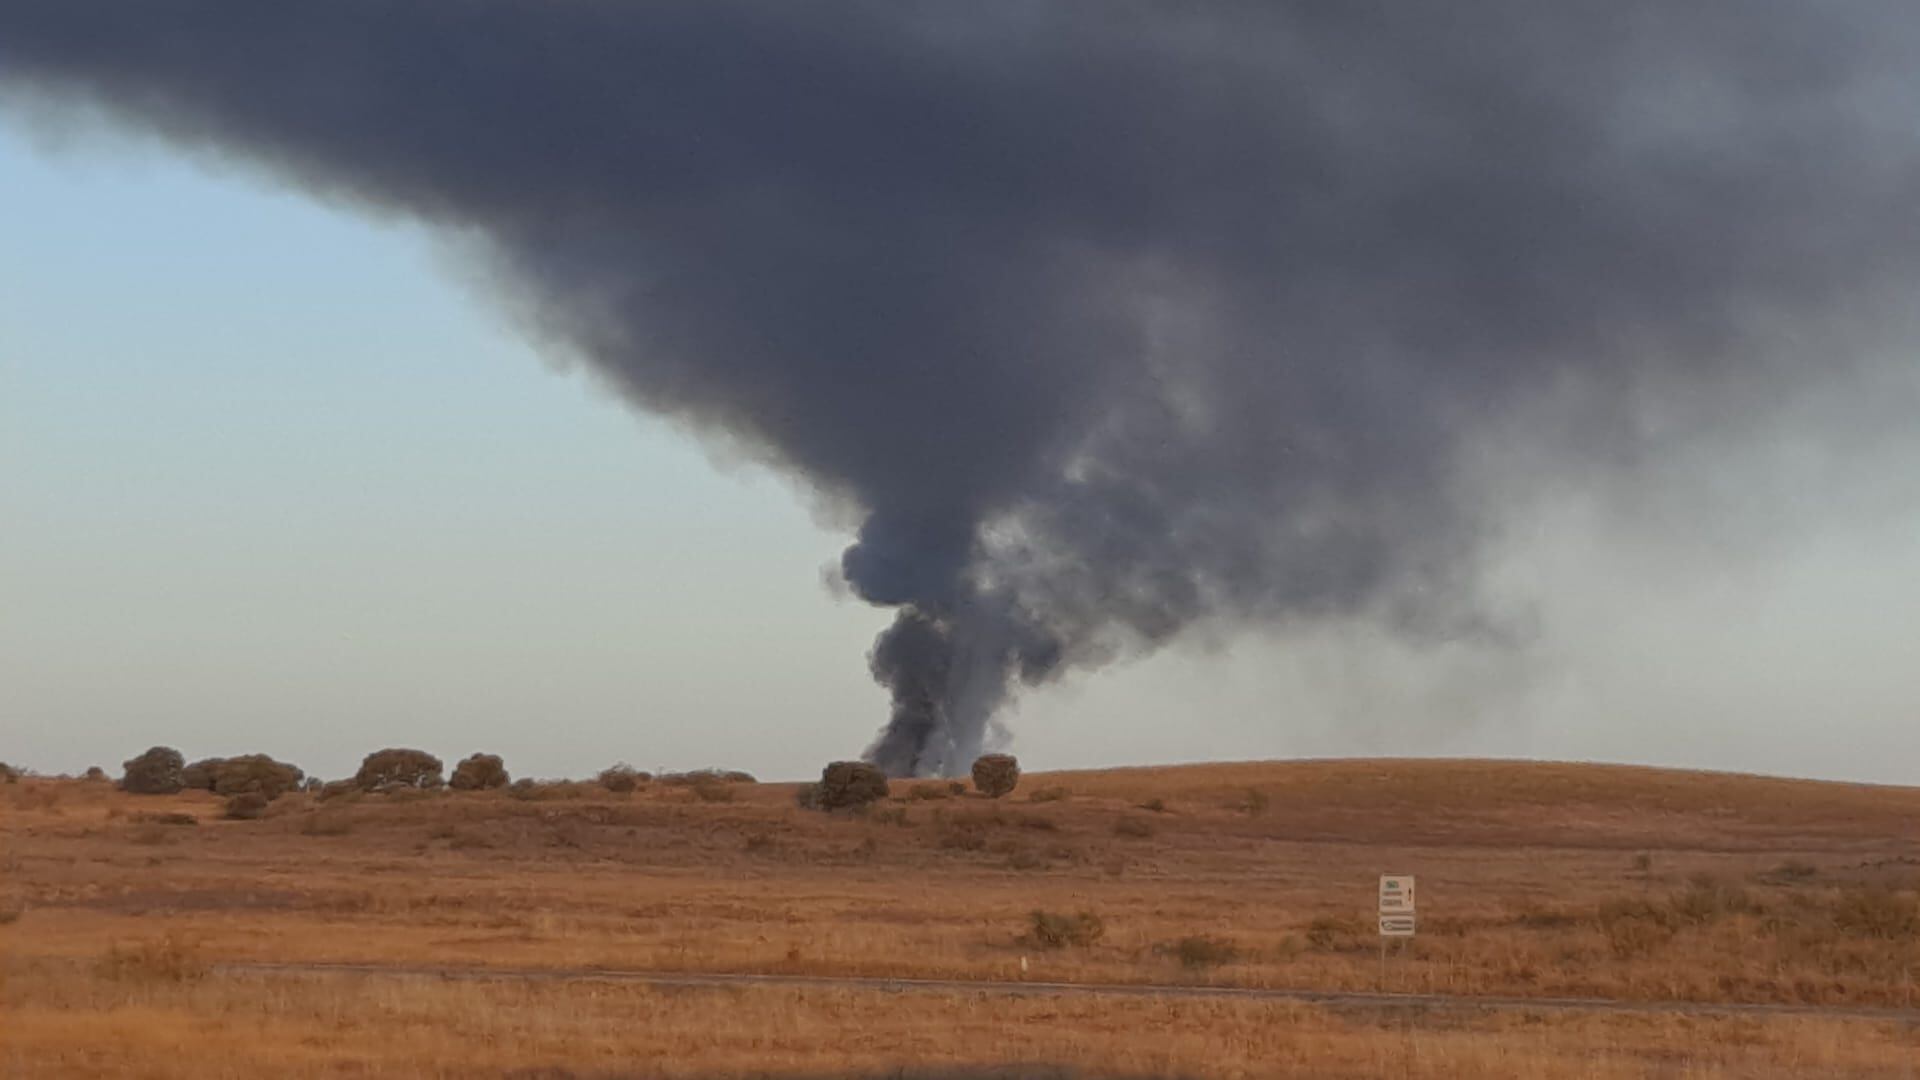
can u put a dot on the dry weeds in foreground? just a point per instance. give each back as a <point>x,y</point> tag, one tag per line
<point>1536,879</point>
<point>70,1026</point>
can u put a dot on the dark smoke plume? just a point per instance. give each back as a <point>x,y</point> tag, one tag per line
<point>1109,316</point>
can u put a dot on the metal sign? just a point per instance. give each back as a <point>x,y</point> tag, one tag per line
<point>1396,894</point>
<point>1396,926</point>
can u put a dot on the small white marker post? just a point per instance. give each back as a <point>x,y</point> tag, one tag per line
<point>1396,914</point>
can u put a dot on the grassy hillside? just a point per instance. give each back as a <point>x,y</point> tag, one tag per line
<point>1535,879</point>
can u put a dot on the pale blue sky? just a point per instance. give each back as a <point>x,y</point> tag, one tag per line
<point>273,480</point>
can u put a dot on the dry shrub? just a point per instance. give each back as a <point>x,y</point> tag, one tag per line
<point>962,836</point>
<point>696,777</point>
<point>956,788</point>
<point>885,815</point>
<point>845,784</point>
<point>1158,806</point>
<point>1636,928</point>
<point>479,772</point>
<point>528,790</point>
<point>1038,823</point>
<point>622,778</point>
<point>169,959</point>
<point>1203,951</point>
<point>9,774</point>
<point>246,806</point>
<point>149,835</point>
<point>1709,899</point>
<point>94,774</point>
<point>929,792</point>
<point>11,911</point>
<point>1327,932</point>
<point>996,775</point>
<point>712,791</point>
<point>1052,930</point>
<point>1253,802</point>
<point>164,817</point>
<point>1026,859</point>
<point>339,789</point>
<point>156,772</point>
<point>326,823</point>
<point>1133,827</point>
<point>1876,911</point>
<point>398,767</point>
<point>1049,794</point>
<point>1792,872</point>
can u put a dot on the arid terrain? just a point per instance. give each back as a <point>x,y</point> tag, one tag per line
<point>130,922</point>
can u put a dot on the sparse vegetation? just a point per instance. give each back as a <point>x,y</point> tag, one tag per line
<point>156,772</point>
<point>9,773</point>
<point>94,774</point>
<point>1049,794</point>
<point>246,806</point>
<point>929,792</point>
<point>996,775</point>
<point>620,778</point>
<point>1133,828</point>
<point>697,777</point>
<point>1205,951</point>
<point>479,772</point>
<point>575,876</point>
<point>1052,930</point>
<point>326,823</point>
<point>398,767</point>
<point>167,959</point>
<point>712,791</point>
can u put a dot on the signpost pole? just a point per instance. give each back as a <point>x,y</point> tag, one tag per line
<point>1396,915</point>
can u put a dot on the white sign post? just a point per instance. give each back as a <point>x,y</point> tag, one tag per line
<point>1396,914</point>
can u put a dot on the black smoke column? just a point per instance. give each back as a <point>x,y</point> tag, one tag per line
<point>1105,317</point>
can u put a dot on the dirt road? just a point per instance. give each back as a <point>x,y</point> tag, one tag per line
<point>1329,999</point>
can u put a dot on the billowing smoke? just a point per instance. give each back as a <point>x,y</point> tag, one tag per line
<point>1105,317</point>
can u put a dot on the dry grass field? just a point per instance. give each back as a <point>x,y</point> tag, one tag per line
<point>1535,879</point>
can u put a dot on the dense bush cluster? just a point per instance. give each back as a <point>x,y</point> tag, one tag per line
<point>479,772</point>
<point>156,772</point>
<point>996,775</point>
<point>247,773</point>
<point>398,767</point>
<point>846,784</point>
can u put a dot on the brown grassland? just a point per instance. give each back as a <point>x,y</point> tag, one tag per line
<point>1536,880</point>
